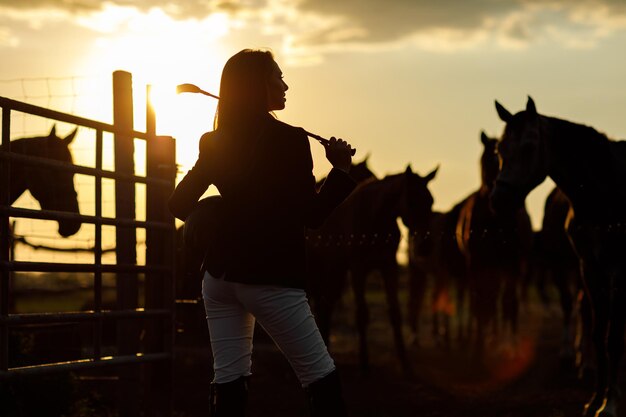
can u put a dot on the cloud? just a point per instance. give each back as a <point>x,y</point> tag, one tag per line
<point>181,9</point>
<point>69,5</point>
<point>506,22</point>
<point>319,26</point>
<point>388,21</point>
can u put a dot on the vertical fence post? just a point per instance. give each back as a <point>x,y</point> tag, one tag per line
<point>160,164</point>
<point>125,240</point>
<point>97,253</point>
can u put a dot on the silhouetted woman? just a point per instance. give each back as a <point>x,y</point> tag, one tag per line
<point>263,170</point>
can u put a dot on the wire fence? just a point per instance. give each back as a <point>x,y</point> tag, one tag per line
<point>89,96</point>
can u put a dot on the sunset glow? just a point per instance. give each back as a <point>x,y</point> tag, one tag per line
<point>485,309</point>
<point>405,82</point>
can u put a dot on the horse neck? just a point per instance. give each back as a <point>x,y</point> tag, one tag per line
<point>18,178</point>
<point>579,164</point>
<point>377,199</point>
<point>488,173</point>
<point>485,189</point>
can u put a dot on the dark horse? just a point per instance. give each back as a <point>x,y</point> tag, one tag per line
<point>52,188</point>
<point>361,236</point>
<point>359,172</point>
<point>434,257</point>
<point>559,264</point>
<point>590,170</point>
<point>496,247</point>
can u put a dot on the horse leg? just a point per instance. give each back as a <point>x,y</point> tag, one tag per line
<point>390,278</point>
<point>462,313</point>
<point>599,296</point>
<point>481,310</point>
<point>561,280</point>
<point>441,312</point>
<point>615,350</point>
<point>362,315</point>
<point>436,313</point>
<point>584,341</point>
<point>323,316</point>
<point>510,300</point>
<point>544,272</point>
<point>417,291</point>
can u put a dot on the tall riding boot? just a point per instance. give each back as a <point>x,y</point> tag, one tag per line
<point>325,397</point>
<point>229,399</point>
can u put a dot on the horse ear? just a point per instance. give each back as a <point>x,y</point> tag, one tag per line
<point>408,169</point>
<point>53,131</point>
<point>530,106</point>
<point>483,137</point>
<point>504,114</point>
<point>69,138</point>
<point>431,174</point>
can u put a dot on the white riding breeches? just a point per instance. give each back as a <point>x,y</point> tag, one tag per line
<point>285,315</point>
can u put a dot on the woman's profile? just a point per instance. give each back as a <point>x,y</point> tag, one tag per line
<point>262,168</point>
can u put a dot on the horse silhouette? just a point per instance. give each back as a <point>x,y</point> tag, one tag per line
<point>434,256</point>
<point>359,172</point>
<point>362,236</point>
<point>52,188</point>
<point>590,169</point>
<point>559,264</point>
<point>327,267</point>
<point>496,247</point>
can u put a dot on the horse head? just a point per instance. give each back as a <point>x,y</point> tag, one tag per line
<point>416,207</point>
<point>523,157</point>
<point>360,171</point>
<point>489,161</point>
<point>53,188</point>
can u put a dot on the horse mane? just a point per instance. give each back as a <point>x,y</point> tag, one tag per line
<point>19,145</point>
<point>593,169</point>
<point>372,184</point>
<point>371,187</point>
<point>569,129</point>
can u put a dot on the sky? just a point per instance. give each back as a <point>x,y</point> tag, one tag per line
<point>404,81</point>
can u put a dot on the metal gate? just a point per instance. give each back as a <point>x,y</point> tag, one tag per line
<point>145,336</point>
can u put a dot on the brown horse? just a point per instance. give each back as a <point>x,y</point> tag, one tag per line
<point>434,257</point>
<point>52,188</point>
<point>559,264</point>
<point>327,267</point>
<point>362,236</point>
<point>496,247</point>
<point>589,169</point>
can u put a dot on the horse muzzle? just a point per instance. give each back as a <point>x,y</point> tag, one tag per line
<point>69,228</point>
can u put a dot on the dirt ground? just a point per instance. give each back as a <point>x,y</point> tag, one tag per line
<point>512,379</point>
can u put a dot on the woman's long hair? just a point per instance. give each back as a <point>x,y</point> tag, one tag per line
<point>243,91</point>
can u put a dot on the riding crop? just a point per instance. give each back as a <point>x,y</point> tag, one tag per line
<point>192,88</point>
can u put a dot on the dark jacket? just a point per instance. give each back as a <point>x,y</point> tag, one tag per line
<point>269,198</point>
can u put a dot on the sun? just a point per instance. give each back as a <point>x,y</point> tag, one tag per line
<point>161,52</point>
<point>185,117</point>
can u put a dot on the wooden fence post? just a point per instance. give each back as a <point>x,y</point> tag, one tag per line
<point>125,241</point>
